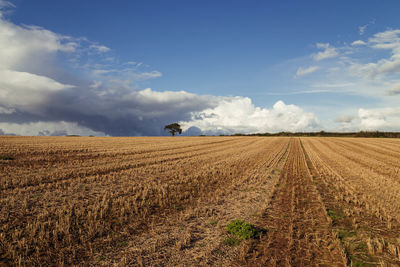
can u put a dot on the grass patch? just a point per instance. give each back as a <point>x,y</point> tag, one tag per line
<point>243,230</point>
<point>356,250</point>
<point>359,255</point>
<point>336,214</point>
<point>231,241</point>
<point>357,263</point>
<point>343,234</point>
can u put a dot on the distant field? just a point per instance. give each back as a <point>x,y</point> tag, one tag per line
<point>166,201</point>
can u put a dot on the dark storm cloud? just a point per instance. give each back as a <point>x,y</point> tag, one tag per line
<point>125,112</point>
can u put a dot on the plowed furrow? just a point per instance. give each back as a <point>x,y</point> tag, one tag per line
<point>298,229</point>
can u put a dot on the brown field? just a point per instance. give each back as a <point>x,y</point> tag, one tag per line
<point>166,201</point>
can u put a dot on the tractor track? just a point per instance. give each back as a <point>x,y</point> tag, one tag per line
<point>298,228</point>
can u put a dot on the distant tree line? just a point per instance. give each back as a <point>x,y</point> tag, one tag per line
<point>329,134</point>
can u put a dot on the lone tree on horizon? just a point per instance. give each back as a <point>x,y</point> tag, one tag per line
<point>173,128</point>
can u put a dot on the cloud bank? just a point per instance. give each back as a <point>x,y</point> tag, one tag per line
<point>239,115</point>
<point>387,119</point>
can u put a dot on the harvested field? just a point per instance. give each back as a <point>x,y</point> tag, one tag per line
<point>166,201</point>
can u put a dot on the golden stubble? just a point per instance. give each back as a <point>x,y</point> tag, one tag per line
<point>146,201</point>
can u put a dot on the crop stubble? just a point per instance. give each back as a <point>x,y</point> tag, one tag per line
<point>166,201</point>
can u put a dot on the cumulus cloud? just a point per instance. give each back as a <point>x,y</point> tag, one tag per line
<point>30,48</point>
<point>239,115</point>
<point>304,71</point>
<point>380,119</point>
<point>329,52</point>
<point>26,91</point>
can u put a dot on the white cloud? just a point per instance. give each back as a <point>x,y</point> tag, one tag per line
<point>127,74</point>
<point>388,40</point>
<point>304,71</point>
<point>332,85</point>
<point>26,48</point>
<point>358,42</point>
<point>329,52</point>
<point>26,91</point>
<point>100,48</point>
<point>4,110</point>
<point>370,70</point>
<point>172,97</point>
<point>5,4</point>
<point>28,81</point>
<point>99,72</point>
<point>363,28</point>
<point>380,119</point>
<point>146,75</point>
<point>239,115</point>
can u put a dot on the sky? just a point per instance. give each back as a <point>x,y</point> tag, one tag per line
<point>128,68</point>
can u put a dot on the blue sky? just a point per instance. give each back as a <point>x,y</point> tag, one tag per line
<point>215,66</point>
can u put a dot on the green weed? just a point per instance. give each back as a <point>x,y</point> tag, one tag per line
<point>336,214</point>
<point>243,230</point>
